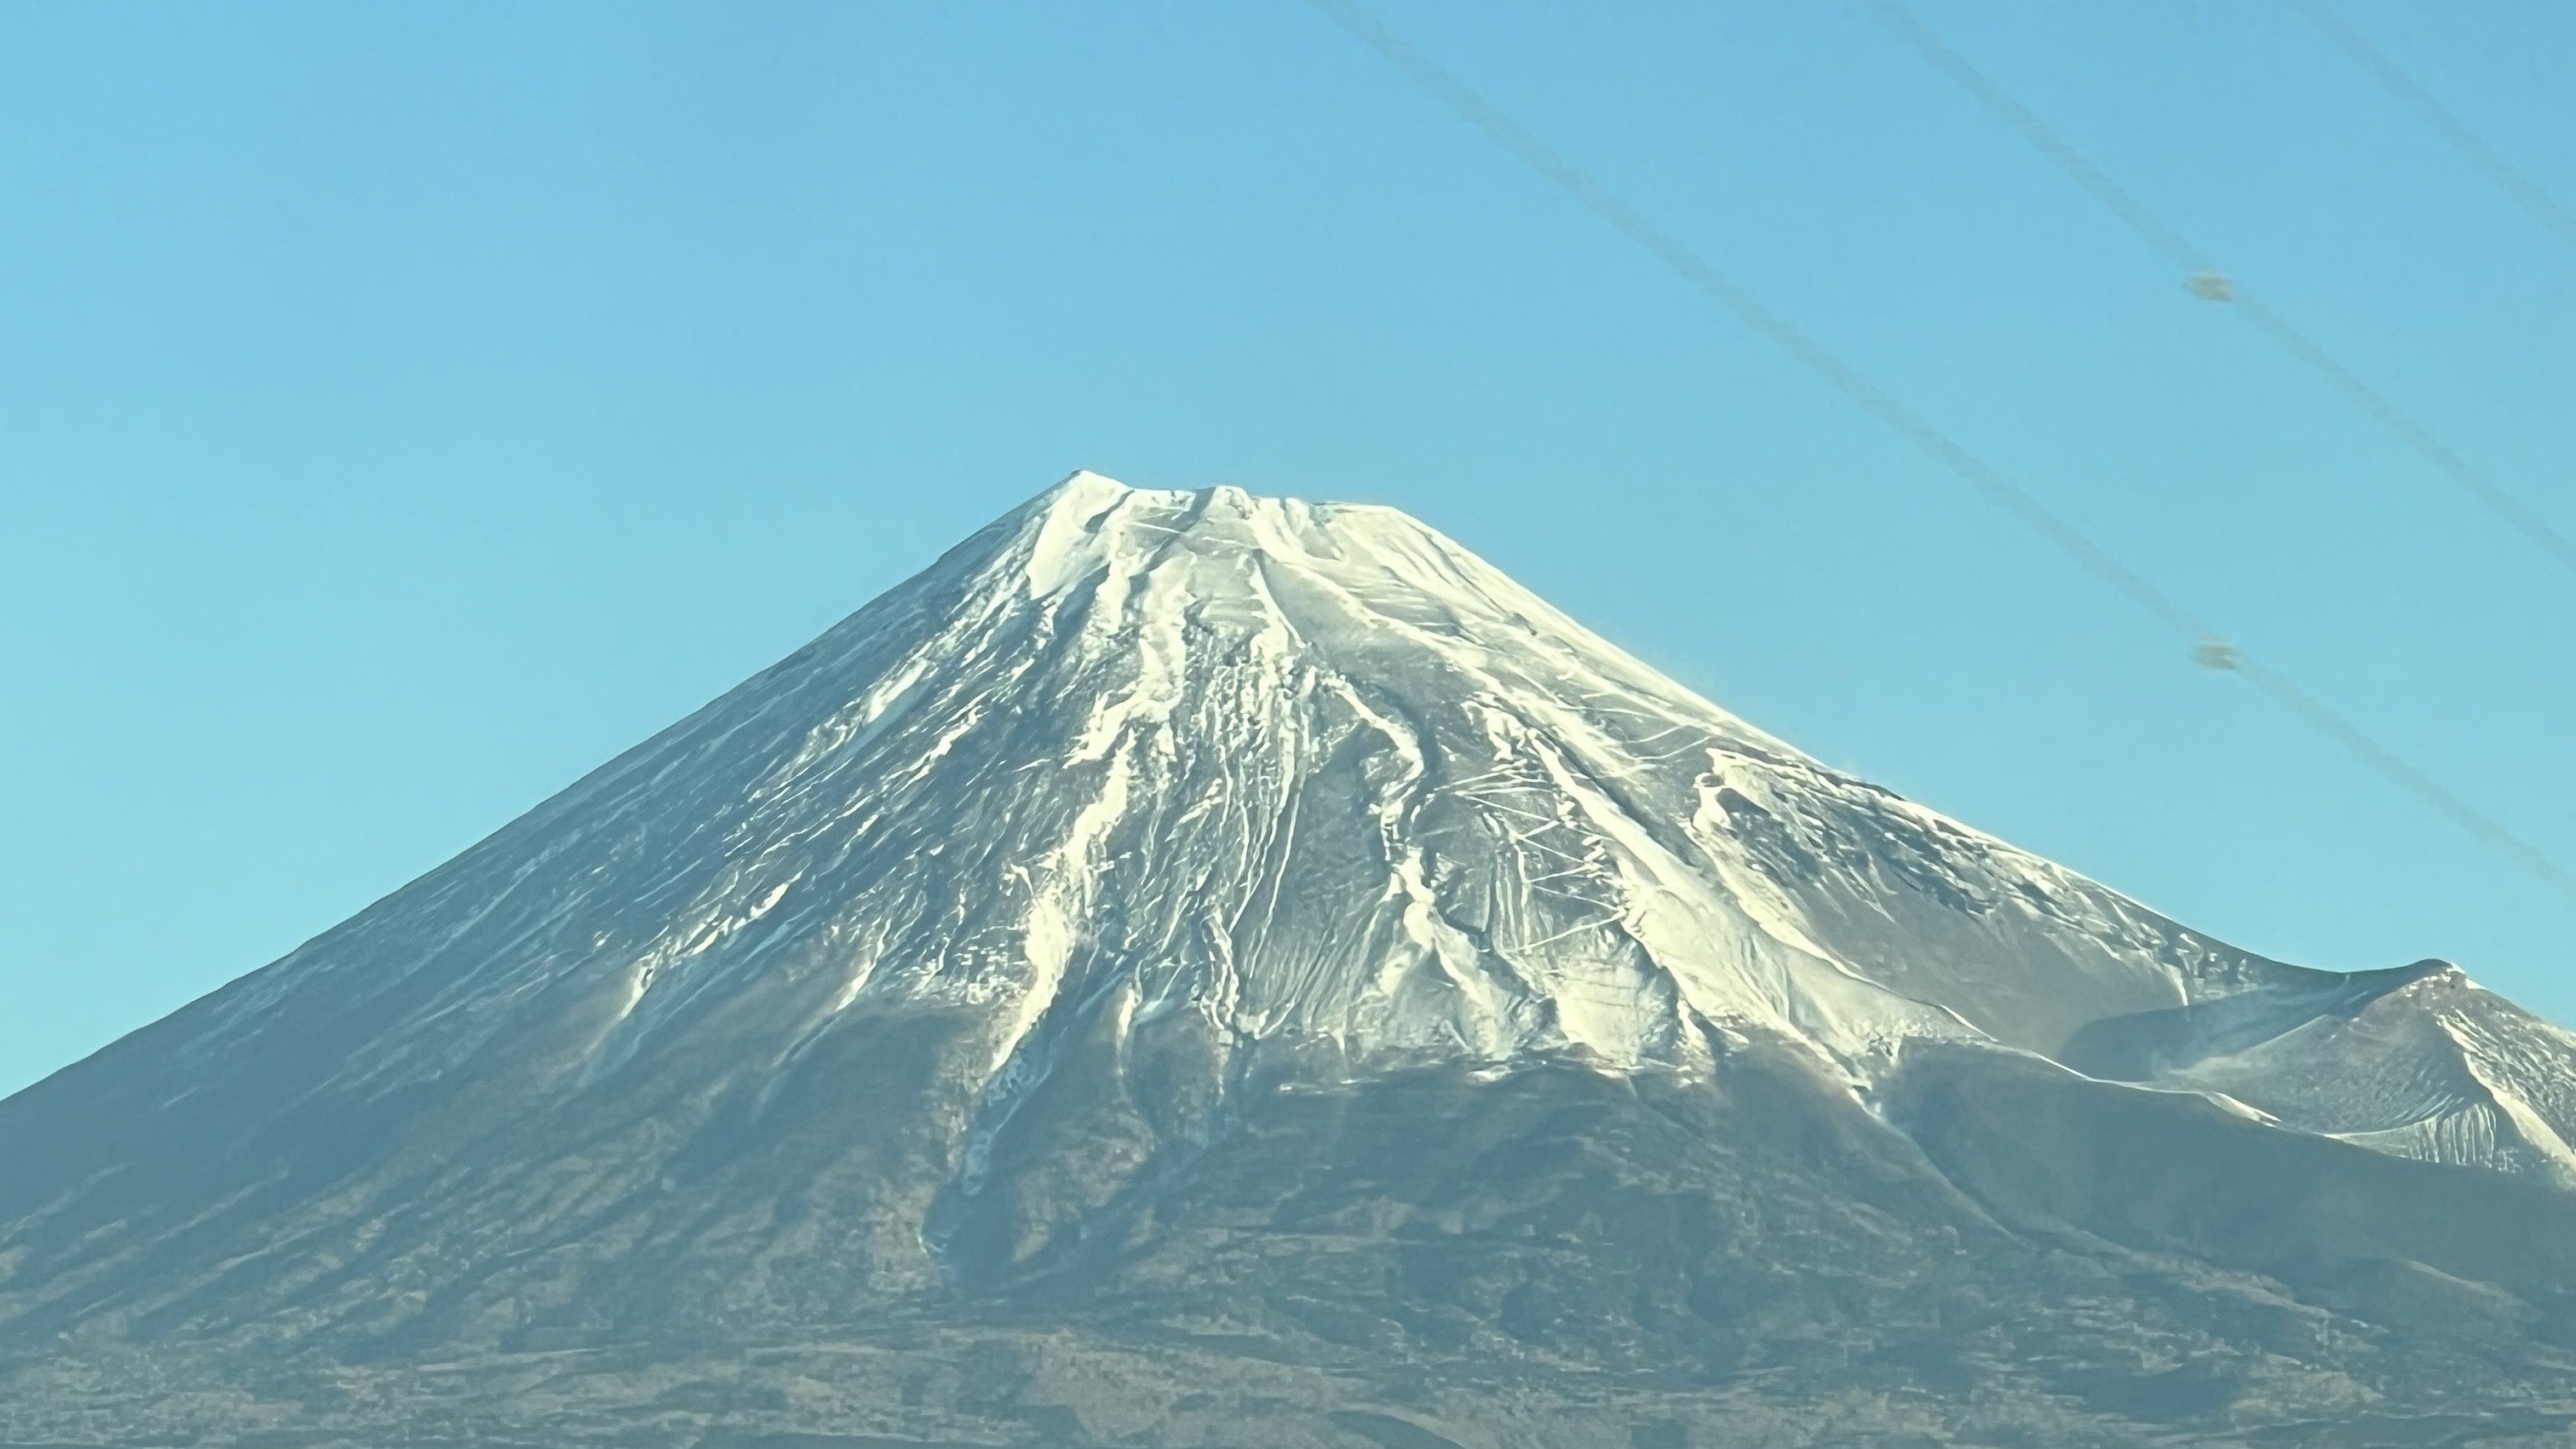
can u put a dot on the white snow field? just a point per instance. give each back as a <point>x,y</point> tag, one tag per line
<point>1315,775</point>
<point>1263,922</point>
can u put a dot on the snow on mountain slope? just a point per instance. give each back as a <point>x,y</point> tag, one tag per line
<point>2417,1062</point>
<point>1311,773</point>
<point>1309,780</point>
<point>1187,966</point>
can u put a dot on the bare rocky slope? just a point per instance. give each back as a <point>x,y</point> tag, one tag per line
<point>1195,969</point>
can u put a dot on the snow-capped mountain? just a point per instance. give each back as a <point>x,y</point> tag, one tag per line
<point>985,931</point>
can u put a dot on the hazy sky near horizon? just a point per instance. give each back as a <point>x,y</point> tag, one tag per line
<point>404,409</point>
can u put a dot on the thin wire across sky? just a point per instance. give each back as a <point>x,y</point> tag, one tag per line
<point>2445,123</point>
<point>1988,482</point>
<point>2418,439</point>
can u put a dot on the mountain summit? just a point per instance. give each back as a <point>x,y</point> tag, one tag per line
<point>1200,951</point>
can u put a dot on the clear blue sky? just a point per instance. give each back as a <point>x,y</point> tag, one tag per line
<point>403,409</point>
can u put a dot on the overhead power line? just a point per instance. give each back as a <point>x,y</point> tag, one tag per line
<point>2446,123</point>
<point>1989,483</point>
<point>2212,283</point>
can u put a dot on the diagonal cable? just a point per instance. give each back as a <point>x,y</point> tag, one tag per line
<point>2288,335</point>
<point>2445,123</point>
<point>1989,483</point>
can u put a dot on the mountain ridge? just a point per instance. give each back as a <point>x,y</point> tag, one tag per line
<point>965,956</point>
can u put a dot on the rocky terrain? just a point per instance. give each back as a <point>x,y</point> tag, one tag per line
<point>1192,969</point>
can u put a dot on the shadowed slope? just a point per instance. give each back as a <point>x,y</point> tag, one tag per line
<point>1173,902</point>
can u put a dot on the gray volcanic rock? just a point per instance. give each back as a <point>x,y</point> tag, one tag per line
<point>1198,969</point>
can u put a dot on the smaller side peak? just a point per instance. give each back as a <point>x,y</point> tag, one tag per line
<point>2433,968</point>
<point>2416,984</point>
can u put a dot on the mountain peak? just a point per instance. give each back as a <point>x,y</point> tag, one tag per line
<point>1091,522</point>
<point>1304,776</point>
<point>1057,901</point>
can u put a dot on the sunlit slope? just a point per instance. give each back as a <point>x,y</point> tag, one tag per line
<point>1139,897</point>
